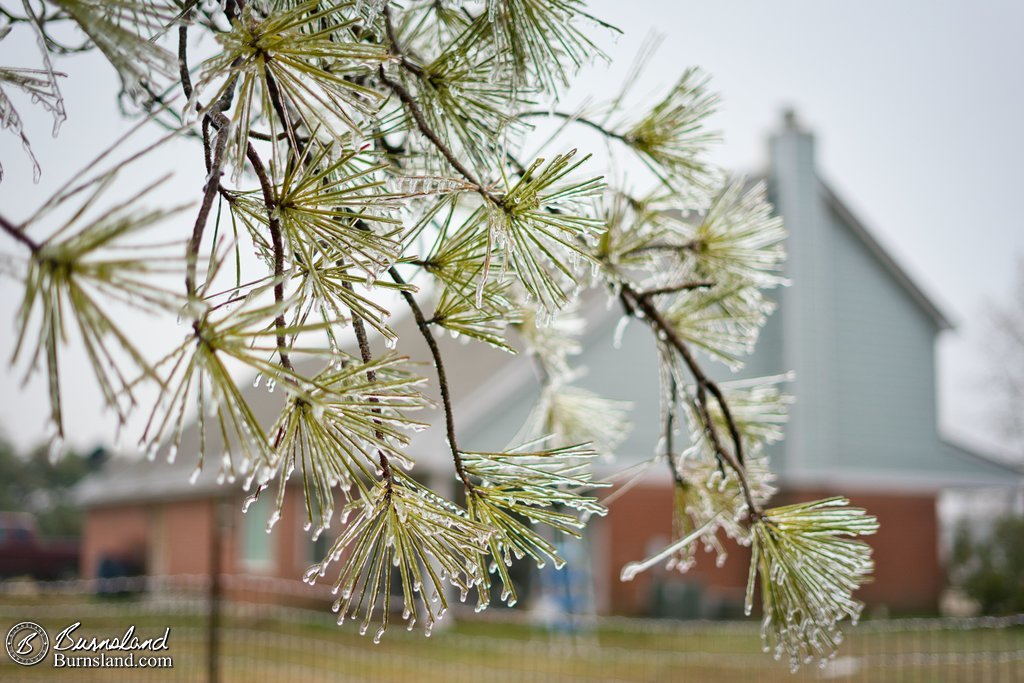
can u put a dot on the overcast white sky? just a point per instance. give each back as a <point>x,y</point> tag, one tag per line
<point>916,105</point>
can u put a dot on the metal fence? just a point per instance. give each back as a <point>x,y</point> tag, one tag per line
<point>275,631</point>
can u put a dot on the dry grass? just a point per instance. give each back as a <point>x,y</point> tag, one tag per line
<point>267,643</point>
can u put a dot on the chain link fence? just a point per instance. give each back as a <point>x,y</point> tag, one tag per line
<point>270,630</point>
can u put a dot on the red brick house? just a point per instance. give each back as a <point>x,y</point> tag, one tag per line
<point>857,331</point>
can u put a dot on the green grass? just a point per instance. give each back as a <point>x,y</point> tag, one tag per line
<point>267,643</point>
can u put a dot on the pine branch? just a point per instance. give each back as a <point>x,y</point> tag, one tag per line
<point>576,118</point>
<point>670,415</point>
<point>275,234</point>
<point>18,233</point>
<point>209,192</point>
<point>410,102</point>
<point>675,289</point>
<point>421,122</point>
<point>371,376</point>
<point>692,245</point>
<point>654,318</point>
<point>442,378</point>
<point>634,301</point>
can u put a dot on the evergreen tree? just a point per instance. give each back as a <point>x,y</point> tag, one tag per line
<point>361,146</point>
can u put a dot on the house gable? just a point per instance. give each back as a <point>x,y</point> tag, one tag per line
<point>882,351</point>
<point>860,335</point>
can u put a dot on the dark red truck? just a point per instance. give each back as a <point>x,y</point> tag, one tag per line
<point>23,553</point>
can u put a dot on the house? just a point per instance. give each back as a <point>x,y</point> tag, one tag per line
<point>857,331</point>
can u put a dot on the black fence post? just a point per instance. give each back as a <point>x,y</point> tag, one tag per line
<point>219,517</point>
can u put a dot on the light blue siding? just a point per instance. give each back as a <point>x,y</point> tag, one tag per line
<point>883,354</point>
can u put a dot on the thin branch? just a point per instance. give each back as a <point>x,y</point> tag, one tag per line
<point>214,161</point>
<point>656,320</point>
<point>442,377</point>
<point>421,122</point>
<point>274,223</point>
<point>17,232</point>
<point>389,29</point>
<point>670,416</point>
<point>282,113</point>
<point>574,118</point>
<point>186,79</point>
<point>692,245</point>
<point>267,137</point>
<point>424,127</point>
<point>371,376</point>
<point>673,289</point>
<point>209,192</point>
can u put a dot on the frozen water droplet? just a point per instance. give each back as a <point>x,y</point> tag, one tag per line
<point>249,500</point>
<point>274,517</point>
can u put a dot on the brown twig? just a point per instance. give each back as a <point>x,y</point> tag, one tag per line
<point>209,192</point>
<point>371,376</point>
<point>654,318</point>
<point>274,224</point>
<point>692,245</point>
<point>442,378</point>
<point>681,287</point>
<point>18,233</point>
<point>670,415</point>
<point>214,160</point>
<point>573,118</point>
<point>421,122</point>
<point>186,79</point>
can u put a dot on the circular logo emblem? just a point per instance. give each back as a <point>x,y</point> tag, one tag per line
<point>27,643</point>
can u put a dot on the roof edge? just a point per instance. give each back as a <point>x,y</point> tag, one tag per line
<point>882,254</point>
<point>966,452</point>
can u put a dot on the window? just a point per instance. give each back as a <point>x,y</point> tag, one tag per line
<point>257,548</point>
<point>319,547</point>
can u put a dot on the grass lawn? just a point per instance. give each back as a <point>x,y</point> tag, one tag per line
<point>268,643</point>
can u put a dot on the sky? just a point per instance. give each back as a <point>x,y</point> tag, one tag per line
<point>915,105</point>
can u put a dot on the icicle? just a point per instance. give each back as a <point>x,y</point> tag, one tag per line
<point>274,517</point>
<point>249,500</point>
<point>311,573</point>
<point>630,571</point>
<point>620,330</point>
<point>55,449</point>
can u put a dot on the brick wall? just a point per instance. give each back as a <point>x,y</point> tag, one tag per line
<point>119,531</point>
<point>908,575</point>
